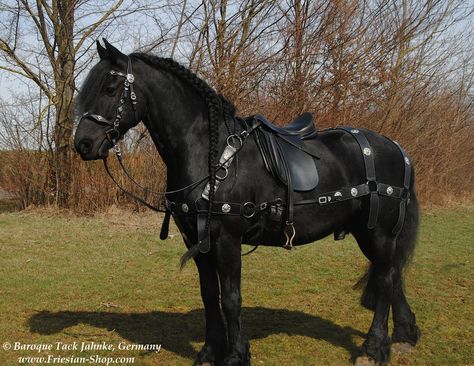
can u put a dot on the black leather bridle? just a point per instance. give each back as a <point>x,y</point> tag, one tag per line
<point>113,133</point>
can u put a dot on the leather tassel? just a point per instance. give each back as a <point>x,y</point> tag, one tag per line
<point>165,226</point>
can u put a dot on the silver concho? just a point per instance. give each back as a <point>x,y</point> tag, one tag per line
<point>389,190</point>
<point>367,151</point>
<point>184,208</point>
<point>354,131</point>
<point>225,208</point>
<point>407,161</point>
<point>130,78</point>
<point>354,192</point>
<point>338,194</point>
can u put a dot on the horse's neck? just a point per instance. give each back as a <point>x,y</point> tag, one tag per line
<point>177,122</point>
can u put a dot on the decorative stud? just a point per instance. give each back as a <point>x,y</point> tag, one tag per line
<point>338,194</point>
<point>225,208</point>
<point>354,131</point>
<point>407,161</point>
<point>367,151</point>
<point>185,208</point>
<point>389,190</point>
<point>354,192</point>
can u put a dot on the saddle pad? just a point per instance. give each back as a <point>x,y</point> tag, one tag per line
<point>278,152</point>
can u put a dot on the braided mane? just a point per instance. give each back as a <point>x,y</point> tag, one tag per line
<point>217,105</point>
<point>185,74</point>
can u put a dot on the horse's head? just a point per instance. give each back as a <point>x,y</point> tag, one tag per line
<point>108,105</point>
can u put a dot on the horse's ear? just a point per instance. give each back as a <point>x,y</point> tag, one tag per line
<point>102,51</point>
<point>114,55</point>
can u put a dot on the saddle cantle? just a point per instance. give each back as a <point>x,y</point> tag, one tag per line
<point>285,154</point>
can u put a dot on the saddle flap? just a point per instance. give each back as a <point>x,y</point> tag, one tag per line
<point>280,154</point>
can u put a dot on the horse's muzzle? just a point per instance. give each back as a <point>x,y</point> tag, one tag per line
<point>91,142</point>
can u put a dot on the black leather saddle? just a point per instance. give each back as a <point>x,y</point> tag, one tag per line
<point>287,158</point>
<point>303,127</point>
<point>285,154</point>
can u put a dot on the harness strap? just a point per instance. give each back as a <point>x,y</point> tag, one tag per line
<point>204,236</point>
<point>405,195</point>
<point>200,206</point>
<point>165,226</point>
<point>289,230</point>
<point>369,164</point>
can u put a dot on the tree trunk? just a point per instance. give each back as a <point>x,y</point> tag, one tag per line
<point>64,103</point>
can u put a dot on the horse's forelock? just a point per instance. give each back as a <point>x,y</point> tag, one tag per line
<point>91,87</point>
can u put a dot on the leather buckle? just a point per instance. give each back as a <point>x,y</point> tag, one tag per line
<point>322,200</point>
<point>170,205</point>
<point>372,185</point>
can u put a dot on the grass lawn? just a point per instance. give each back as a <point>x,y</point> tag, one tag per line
<point>110,279</point>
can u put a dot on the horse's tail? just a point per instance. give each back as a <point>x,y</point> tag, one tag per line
<point>405,246</point>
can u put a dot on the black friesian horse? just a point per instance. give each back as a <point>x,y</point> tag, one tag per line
<point>190,124</point>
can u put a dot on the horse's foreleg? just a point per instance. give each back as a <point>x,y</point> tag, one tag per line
<point>215,346</point>
<point>229,266</point>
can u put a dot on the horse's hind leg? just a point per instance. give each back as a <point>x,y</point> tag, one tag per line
<point>405,331</point>
<point>377,345</point>
<point>384,288</point>
<point>377,296</point>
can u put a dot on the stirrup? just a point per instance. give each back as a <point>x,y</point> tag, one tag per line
<point>289,239</point>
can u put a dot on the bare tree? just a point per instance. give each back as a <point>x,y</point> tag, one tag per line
<point>51,64</point>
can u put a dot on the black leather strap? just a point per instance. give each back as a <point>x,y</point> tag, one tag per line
<point>204,237</point>
<point>342,194</point>
<point>165,226</point>
<point>405,195</point>
<point>369,163</point>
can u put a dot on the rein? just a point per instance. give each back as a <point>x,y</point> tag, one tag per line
<point>113,135</point>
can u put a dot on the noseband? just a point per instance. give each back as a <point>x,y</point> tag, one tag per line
<point>112,133</point>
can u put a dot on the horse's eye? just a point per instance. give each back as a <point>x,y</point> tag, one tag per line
<point>109,90</point>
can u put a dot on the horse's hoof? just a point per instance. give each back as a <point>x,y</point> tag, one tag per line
<point>364,361</point>
<point>367,361</point>
<point>402,347</point>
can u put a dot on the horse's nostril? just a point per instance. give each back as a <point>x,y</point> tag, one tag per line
<point>85,146</point>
